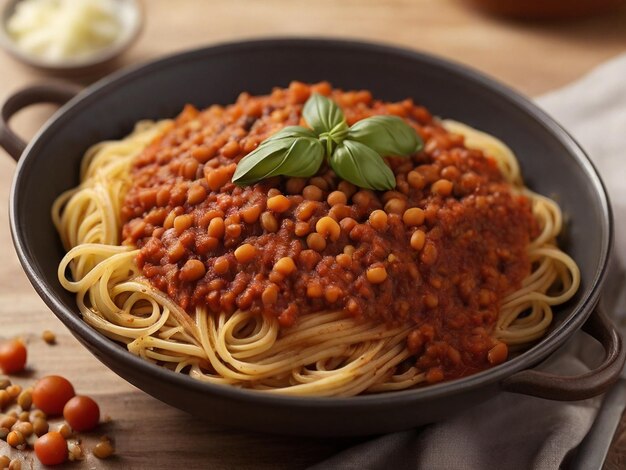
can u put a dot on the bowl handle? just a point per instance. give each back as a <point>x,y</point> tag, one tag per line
<point>590,384</point>
<point>57,93</point>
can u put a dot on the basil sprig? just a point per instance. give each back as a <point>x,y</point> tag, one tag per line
<point>354,153</point>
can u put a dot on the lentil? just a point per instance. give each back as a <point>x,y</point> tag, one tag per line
<point>37,414</point>
<point>376,274</point>
<point>270,294</point>
<point>316,242</point>
<point>14,390</point>
<point>49,337</point>
<point>378,220</point>
<point>395,206</point>
<point>5,398</point>
<point>332,294</point>
<point>302,229</point>
<point>416,180</point>
<point>295,185</point>
<point>251,214</point>
<point>192,270</point>
<point>442,187</point>
<point>65,430</point>
<point>336,197</point>
<point>269,222</point>
<point>344,260</point>
<point>15,438</point>
<point>40,426</point>
<point>285,266</point>
<point>25,399</point>
<point>216,227</point>
<point>312,193</point>
<point>418,239</point>
<point>314,290</point>
<point>245,253</point>
<point>8,421</point>
<point>196,194</point>
<point>103,449</point>
<point>15,465</point>
<point>278,203</point>
<point>328,227</point>
<point>24,427</point>
<point>221,265</point>
<point>498,354</point>
<point>183,222</point>
<point>413,216</point>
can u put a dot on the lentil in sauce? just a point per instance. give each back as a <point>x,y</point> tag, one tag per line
<point>438,253</point>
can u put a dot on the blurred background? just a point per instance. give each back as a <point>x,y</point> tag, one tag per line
<point>515,50</point>
<point>531,45</point>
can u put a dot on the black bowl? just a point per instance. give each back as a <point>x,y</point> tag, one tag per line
<point>552,163</point>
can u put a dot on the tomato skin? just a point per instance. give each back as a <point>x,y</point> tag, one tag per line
<point>12,356</point>
<point>51,448</point>
<point>51,393</point>
<point>81,413</point>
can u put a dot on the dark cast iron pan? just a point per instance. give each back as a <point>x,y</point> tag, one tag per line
<point>551,161</point>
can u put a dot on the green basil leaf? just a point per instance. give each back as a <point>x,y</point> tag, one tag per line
<point>293,151</point>
<point>291,131</point>
<point>390,136</point>
<point>302,159</point>
<point>322,114</point>
<point>339,133</point>
<point>360,165</point>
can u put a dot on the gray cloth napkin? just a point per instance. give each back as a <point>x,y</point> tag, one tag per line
<point>514,431</point>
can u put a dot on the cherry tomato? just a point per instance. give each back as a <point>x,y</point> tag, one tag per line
<point>51,393</point>
<point>81,413</point>
<point>12,356</point>
<point>51,448</point>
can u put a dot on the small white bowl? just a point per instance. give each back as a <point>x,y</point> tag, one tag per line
<point>131,16</point>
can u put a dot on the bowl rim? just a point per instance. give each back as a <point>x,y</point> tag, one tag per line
<point>99,57</point>
<point>117,353</point>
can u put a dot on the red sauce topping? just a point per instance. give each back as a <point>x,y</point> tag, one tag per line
<point>439,252</point>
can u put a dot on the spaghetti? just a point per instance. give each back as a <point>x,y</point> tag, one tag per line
<point>323,352</point>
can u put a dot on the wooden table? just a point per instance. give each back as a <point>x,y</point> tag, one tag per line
<point>533,58</point>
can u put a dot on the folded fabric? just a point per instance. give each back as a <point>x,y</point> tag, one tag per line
<point>513,431</point>
<point>593,110</point>
<point>507,432</point>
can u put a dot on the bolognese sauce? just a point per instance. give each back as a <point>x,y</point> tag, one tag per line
<point>437,254</point>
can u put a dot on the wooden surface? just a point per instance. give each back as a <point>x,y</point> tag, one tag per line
<point>533,58</point>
